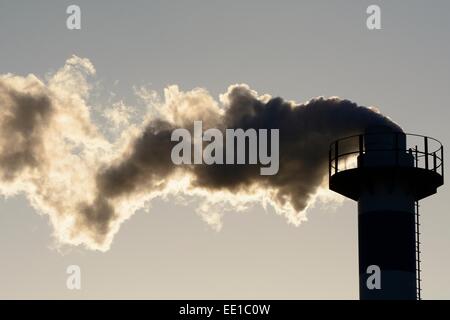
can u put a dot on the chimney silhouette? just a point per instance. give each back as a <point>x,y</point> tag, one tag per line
<point>388,179</point>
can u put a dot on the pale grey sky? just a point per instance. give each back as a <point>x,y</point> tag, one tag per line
<point>294,49</point>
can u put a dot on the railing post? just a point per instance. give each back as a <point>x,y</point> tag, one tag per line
<point>434,161</point>
<point>417,156</point>
<point>329,163</point>
<point>336,156</point>
<point>396,148</point>
<point>426,152</point>
<point>361,144</point>
<point>442,162</point>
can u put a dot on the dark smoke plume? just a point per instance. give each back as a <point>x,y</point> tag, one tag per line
<point>115,184</point>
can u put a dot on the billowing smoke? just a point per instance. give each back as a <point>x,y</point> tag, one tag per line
<point>51,150</point>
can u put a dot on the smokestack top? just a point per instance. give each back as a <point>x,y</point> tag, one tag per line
<point>382,129</point>
<point>385,138</point>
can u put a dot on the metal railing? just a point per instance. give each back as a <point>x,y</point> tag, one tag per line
<point>428,152</point>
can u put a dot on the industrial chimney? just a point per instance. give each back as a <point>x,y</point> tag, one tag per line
<point>392,172</point>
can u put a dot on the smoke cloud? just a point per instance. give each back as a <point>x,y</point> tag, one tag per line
<point>51,150</point>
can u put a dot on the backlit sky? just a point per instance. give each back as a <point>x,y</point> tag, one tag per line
<point>294,49</point>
